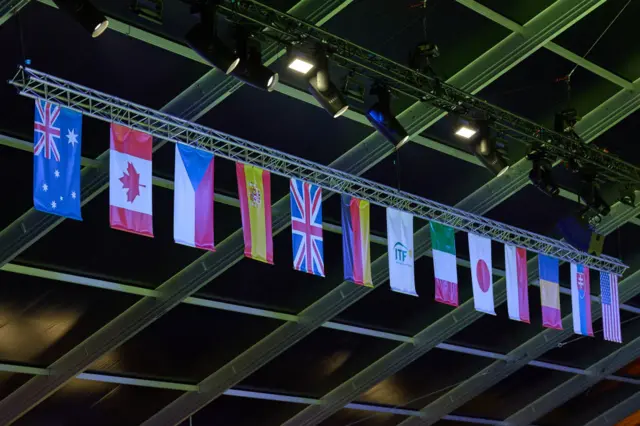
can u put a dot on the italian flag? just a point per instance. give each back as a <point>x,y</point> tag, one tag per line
<point>444,263</point>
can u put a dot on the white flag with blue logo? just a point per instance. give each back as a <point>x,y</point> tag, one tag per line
<point>56,160</point>
<point>401,255</point>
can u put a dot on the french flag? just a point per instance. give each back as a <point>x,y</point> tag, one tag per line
<point>193,198</point>
<point>581,300</point>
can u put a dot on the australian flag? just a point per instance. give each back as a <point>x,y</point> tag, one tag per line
<point>56,160</point>
<point>306,227</point>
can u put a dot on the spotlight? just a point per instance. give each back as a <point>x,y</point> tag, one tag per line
<point>477,136</point>
<point>203,40</point>
<point>300,65</point>
<point>323,89</point>
<point>381,118</point>
<point>251,70</point>
<point>540,174</point>
<point>86,14</point>
<point>566,120</point>
<point>465,129</point>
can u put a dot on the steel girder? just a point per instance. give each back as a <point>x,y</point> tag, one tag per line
<point>33,225</point>
<point>618,413</point>
<point>345,294</point>
<point>576,385</point>
<point>8,8</point>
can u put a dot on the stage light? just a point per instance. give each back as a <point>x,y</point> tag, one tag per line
<point>300,65</point>
<point>465,129</point>
<point>323,89</point>
<point>540,174</point>
<point>203,40</point>
<point>592,197</point>
<point>86,14</point>
<point>383,120</point>
<point>251,71</point>
<point>476,134</point>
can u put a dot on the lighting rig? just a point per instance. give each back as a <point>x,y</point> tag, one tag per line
<point>291,32</point>
<point>86,14</point>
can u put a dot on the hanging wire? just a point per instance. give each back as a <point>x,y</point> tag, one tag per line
<point>403,406</point>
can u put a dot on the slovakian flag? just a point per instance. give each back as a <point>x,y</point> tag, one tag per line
<point>57,139</point>
<point>517,283</point>
<point>581,300</point>
<point>193,198</point>
<point>306,227</point>
<point>130,186</point>
<point>443,244</point>
<point>610,307</point>
<point>254,192</point>
<point>356,240</point>
<point>481,273</point>
<point>400,251</point>
<point>550,292</point>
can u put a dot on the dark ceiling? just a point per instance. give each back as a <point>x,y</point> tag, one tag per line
<point>81,275</point>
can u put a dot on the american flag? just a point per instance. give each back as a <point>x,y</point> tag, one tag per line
<point>306,227</point>
<point>610,307</point>
<point>44,126</point>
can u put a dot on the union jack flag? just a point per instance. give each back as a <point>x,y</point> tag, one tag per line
<point>46,132</point>
<point>306,227</point>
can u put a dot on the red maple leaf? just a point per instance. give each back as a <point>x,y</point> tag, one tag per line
<point>131,182</point>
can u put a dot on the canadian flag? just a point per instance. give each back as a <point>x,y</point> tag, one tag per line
<point>130,185</point>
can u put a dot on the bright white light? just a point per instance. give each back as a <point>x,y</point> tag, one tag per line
<point>100,28</point>
<point>341,111</point>
<point>503,171</point>
<point>466,132</point>
<point>273,81</point>
<point>300,66</point>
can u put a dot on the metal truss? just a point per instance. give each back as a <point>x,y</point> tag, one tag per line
<point>518,358</point>
<point>576,385</point>
<point>36,84</point>
<point>290,31</point>
<point>617,413</point>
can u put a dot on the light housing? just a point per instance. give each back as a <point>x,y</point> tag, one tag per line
<point>540,174</point>
<point>383,120</point>
<point>86,14</point>
<point>251,71</point>
<point>323,89</point>
<point>203,40</point>
<point>477,136</point>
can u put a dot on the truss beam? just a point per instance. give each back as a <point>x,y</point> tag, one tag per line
<point>616,414</point>
<point>9,8</point>
<point>92,103</point>
<point>576,385</point>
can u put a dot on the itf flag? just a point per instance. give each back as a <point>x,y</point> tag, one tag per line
<point>517,283</point>
<point>130,186</point>
<point>581,300</point>
<point>254,192</point>
<point>445,269</point>
<point>306,227</point>
<point>193,198</point>
<point>356,240</point>
<point>610,307</point>
<point>480,259</point>
<point>56,160</point>
<point>550,292</point>
<point>400,249</point>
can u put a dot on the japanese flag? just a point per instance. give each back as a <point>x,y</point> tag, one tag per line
<point>480,257</point>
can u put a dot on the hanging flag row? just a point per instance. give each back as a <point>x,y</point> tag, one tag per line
<point>57,146</point>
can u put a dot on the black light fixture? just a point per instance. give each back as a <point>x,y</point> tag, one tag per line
<point>86,14</point>
<point>477,136</point>
<point>251,71</point>
<point>323,89</point>
<point>540,174</point>
<point>592,197</point>
<point>383,120</point>
<point>203,39</point>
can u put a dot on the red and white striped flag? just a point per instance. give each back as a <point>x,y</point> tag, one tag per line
<point>610,307</point>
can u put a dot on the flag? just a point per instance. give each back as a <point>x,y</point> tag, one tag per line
<point>355,240</point>
<point>610,307</point>
<point>445,269</point>
<point>57,139</point>
<point>254,189</point>
<point>550,292</point>
<point>130,186</point>
<point>400,248</point>
<point>306,227</point>
<point>193,198</point>
<point>581,300</point>
<point>481,270</point>
<point>517,283</point>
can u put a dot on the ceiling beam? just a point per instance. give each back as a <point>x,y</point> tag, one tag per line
<point>518,358</point>
<point>619,412</point>
<point>576,385</point>
<point>33,225</point>
<point>553,47</point>
<point>8,8</point>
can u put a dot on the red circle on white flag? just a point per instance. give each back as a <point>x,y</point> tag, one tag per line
<point>483,275</point>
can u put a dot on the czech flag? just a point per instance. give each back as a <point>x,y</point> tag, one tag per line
<point>356,240</point>
<point>254,192</point>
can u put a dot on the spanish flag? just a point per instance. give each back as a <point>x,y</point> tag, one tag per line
<point>356,240</point>
<point>254,192</point>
